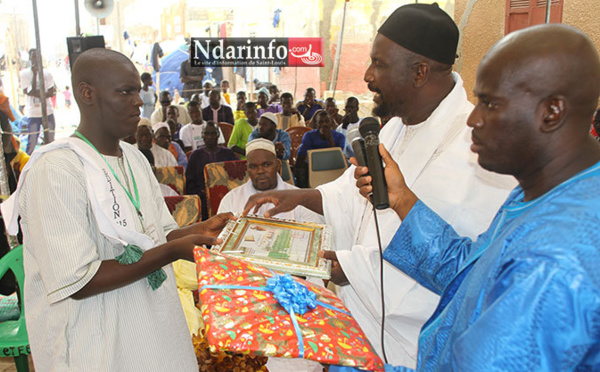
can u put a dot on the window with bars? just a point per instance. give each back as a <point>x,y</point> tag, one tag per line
<point>524,13</point>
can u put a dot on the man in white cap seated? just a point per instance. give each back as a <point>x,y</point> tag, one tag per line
<point>144,138</point>
<point>267,129</point>
<point>163,138</point>
<point>263,169</point>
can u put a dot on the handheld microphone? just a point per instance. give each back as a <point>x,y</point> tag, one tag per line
<point>369,129</point>
<point>358,145</point>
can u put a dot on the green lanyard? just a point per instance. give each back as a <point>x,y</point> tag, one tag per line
<point>135,201</point>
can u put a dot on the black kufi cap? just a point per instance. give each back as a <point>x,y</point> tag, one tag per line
<point>424,29</point>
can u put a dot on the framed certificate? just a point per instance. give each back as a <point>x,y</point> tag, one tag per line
<point>287,246</point>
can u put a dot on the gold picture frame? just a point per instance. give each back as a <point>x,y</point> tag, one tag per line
<point>284,245</point>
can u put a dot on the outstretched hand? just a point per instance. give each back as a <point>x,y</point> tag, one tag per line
<point>185,246</point>
<point>284,201</point>
<point>214,225</point>
<point>400,197</point>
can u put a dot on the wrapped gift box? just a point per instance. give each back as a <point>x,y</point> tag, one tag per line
<point>242,315</point>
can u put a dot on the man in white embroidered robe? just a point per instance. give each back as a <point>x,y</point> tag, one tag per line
<point>411,72</point>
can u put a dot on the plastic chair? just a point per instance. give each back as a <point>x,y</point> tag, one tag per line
<point>296,134</point>
<point>286,172</point>
<point>14,341</point>
<point>325,165</point>
<point>226,129</point>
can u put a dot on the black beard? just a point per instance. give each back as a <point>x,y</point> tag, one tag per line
<point>382,110</point>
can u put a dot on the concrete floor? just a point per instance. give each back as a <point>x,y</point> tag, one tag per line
<point>8,365</point>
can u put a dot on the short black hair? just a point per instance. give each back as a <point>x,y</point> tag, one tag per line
<point>250,105</point>
<point>145,76</point>
<point>193,103</point>
<point>286,95</point>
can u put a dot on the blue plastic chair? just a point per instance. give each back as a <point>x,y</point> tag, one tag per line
<point>14,341</point>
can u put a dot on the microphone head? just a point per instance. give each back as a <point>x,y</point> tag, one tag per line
<point>353,134</point>
<point>368,126</point>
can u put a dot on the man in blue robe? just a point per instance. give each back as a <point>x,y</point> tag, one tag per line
<point>526,294</point>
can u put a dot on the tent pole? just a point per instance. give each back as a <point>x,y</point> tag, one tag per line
<point>338,52</point>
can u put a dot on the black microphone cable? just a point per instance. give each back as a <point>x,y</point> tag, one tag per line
<point>381,284</point>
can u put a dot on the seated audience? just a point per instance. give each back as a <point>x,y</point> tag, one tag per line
<point>309,106</point>
<point>333,112</point>
<point>267,129</point>
<point>225,91</point>
<point>210,152</point>
<point>289,116</point>
<point>205,96</point>
<point>191,134</point>
<point>160,114</point>
<point>242,129</point>
<point>273,94</point>
<point>165,190</point>
<point>162,137</point>
<point>321,138</point>
<point>349,121</point>
<point>144,138</point>
<point>263,103</point>
<point>174,128</point>
<point>263,170</point>
<point>239,111</point>
<point>216,111</point>
<point>173,115</point>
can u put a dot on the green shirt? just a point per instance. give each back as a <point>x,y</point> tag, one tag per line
<point>240,133</point>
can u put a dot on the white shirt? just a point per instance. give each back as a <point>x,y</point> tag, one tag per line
<point>157,115</point>
<point>132,328</point>
<point>205,101</point>
<point>439,167</point>
<point>235,200</point>
<point>162,157</point>
<point>348,152</point>
<point>33,105</point>
<point>191,135</point>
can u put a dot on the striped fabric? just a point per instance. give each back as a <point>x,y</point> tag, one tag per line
<point>132,328</point>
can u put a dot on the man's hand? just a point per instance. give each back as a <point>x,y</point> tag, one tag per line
<point>210,228</point>
<point>214,225</point>
<point>285,201</point>
<point>337,274</point>
<point>279,149</point>
<point>400,197</point>
<point>184,247</point>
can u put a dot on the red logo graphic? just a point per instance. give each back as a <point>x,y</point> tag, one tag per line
<point>305,51</point>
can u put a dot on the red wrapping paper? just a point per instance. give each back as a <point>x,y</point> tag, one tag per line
<point>252,321</point>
